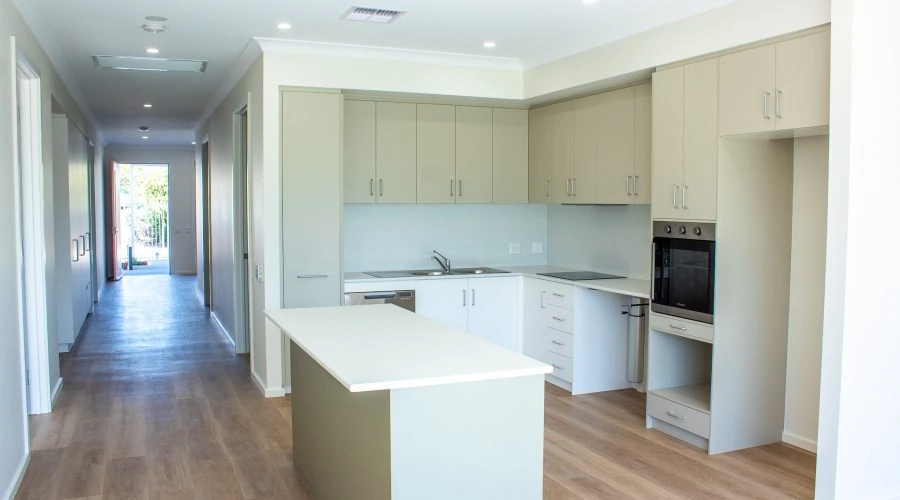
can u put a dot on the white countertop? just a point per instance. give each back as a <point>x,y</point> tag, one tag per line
<point>624,286</point>
<point>381,347</point>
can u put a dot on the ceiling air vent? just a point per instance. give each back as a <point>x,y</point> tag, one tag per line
<point>150,64</point>
<point>370,15</point>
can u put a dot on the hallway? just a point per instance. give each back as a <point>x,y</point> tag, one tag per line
<point>156,405</point>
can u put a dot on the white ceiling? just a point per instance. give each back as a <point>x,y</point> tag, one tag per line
<point>530,31</point>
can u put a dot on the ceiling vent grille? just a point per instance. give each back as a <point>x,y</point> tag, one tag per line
<point>150,64</point>
<point>370,15</point>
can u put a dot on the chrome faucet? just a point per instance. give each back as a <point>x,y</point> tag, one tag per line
<point>442,261</point>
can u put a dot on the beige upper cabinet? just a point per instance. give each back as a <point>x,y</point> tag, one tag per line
<point>359,152</point>
<point>586,140</point>
<point>395,152</point>
<point>474,154</point>
<point>561,134</point>
<point>539,127</point>
<point>435,153</point>
<point>640,188</point>
<point>510,155</point>
<point>783,86</point>
<point>685,142</point>
<point>615,146</point>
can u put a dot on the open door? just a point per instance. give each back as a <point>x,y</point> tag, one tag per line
<point>111,188</point>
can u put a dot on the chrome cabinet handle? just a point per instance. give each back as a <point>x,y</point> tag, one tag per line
<point>311,276</point>
<point>679,417</point>
<point>684,197</point>
<point>557,318</point>
<point>83,249</point>
<point>558,343</point>
<point>766,95</point>
<point>778,94</point>
<point>574,188</point>
<point>77,250</point>
<point>560,295</point>
<point>634,186</point>
<point>88,241</point>
<point>556,366</point>
<point>547,191</point>
<point>543,294</point>
<point>568,187</point>
<point>371,187</point>
<point>653,271</point>
<point>464,297</point>
<point>451,188</point>
<point>459,190</point>
<point>473,297</point>
<point>675,197</point>
<point>380,187</point>
<point>628,185</point>
<point>680,328</point>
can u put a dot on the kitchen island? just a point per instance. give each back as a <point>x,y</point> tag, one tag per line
<point>387,404</point>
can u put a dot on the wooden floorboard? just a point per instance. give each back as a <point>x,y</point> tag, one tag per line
<point>156,405</point>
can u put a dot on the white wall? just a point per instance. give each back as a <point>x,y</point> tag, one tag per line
<point>804,350</point>
<point>182,202</point>
<point>384,237</point>
<point>736,24</point>
<point>606,238</point>
<point>858,432</point>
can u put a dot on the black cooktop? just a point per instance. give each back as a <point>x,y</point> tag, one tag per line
<point>581,275</point>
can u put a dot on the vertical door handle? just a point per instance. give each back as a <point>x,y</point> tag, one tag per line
<point>778,94</point>
<point>77,250</point>
<point>452,194</point>
<point>634,184</point>
<point>628,189</point>
<point>653,272</point>
<point>547,191</point>
<point>684,197</point>
<point>574,189</point>
<point>372,187</point>
<point>473,297</point>
<point>459,190</point>
<point>675,197</point>
<point>88,240</point>
<point>766,95</point>
<point>380,187</point>
<point>543,294</point>
<point>83,245</point>
<point>464,297</point>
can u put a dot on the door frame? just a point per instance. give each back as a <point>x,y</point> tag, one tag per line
<point>29,173</point>
<point>206,217</point>
<point>241,229</point>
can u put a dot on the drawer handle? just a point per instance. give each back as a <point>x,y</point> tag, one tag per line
<point>311,276</point>
<point>558,342</point>
<point>680,328</point>
<point>558,318</point>
<point>560,295</point>
<point>556,366</point>
<point>679,417</point>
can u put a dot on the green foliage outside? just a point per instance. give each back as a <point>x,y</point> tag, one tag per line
<point>151,204</point>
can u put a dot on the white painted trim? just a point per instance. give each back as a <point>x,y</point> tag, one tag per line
<point>20,475</point>
<point>287,389</point>
<point>218,323</point>
<point>269,393</point>
<point>31,261</point>
<point>56,391</point>
<point>800,442</point>
<point>386,53</point>
<point>240,230</point>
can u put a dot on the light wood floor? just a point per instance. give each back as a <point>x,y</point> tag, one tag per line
<point>155,405</point>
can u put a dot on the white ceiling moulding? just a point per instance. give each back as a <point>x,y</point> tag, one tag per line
<point>387,53</point>
<point>150,64</point>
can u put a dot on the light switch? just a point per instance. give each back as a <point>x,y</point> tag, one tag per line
<point>537,247</point>
<point>259,273</point>
<point>515,248</point>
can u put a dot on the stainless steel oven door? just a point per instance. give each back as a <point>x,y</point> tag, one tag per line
<point>683,270</point>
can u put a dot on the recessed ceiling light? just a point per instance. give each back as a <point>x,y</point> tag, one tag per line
<point>157,19</point>
<point>144,128</point>
<point>194,142</point>
<point>284,26</point>
<point>152,50</point>
<point>148,105</point>
<point>154,27</point>
<point>490,44</point>
<point>145,137</point>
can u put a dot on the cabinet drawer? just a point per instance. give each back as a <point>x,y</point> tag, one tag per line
<point>679,415</point>
<point>562,366</point>
<point>559,318</point>
<point>557,294</point>
<point>684,328</point>
<point>559,342</point>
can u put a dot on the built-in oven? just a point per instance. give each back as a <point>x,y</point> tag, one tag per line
<point>684,259</point>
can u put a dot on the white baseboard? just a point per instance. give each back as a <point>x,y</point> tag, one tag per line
<point>216,321</point>
<point>56,391</point>
<point>20,475</point>
<point>287,389</point>
<point>65,347</point>
<point>799,442</point>
<point>267,392</point>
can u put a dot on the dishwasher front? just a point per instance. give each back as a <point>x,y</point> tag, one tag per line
<point>401,298</point>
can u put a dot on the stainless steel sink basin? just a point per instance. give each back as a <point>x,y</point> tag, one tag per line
<point>477,270</point>
<point>463,271</point>
<point>427,273</point>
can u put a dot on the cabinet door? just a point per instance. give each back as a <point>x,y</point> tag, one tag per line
<point>311,198</point>
<point>802,76</point>
<point>474,154</point>
<point>395,152</point>
<point>510,161</point>
<point>668,143</point>
<point>747,81</point>
<point>586,135</point>
<point>494,311</point>
<point>642,145</point>
<point>444,300</point>
<point>615,145</point>
<point>533,328</point>
<point>701,140</point>
<point>359,152</point>
<point>561,152</point>
<point>539,155</point>
<point>435,150</point>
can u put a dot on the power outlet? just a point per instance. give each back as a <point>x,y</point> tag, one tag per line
<point>515,248</point>
<point>537,247</point>
<point>259,273</point>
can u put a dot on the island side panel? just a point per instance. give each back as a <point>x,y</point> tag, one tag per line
<point>474,440</point>
<point>342,441</point>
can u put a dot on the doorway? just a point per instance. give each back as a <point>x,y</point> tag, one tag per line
<point>143,205</point>
<point>242,231</point>
<point>207,221</point>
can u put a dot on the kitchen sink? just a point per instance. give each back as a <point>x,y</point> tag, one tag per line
<point>463,271</point>
<point>427,273</point>
<point>477,270</point>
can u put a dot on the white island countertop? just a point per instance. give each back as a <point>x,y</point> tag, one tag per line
<point>383,347</point>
